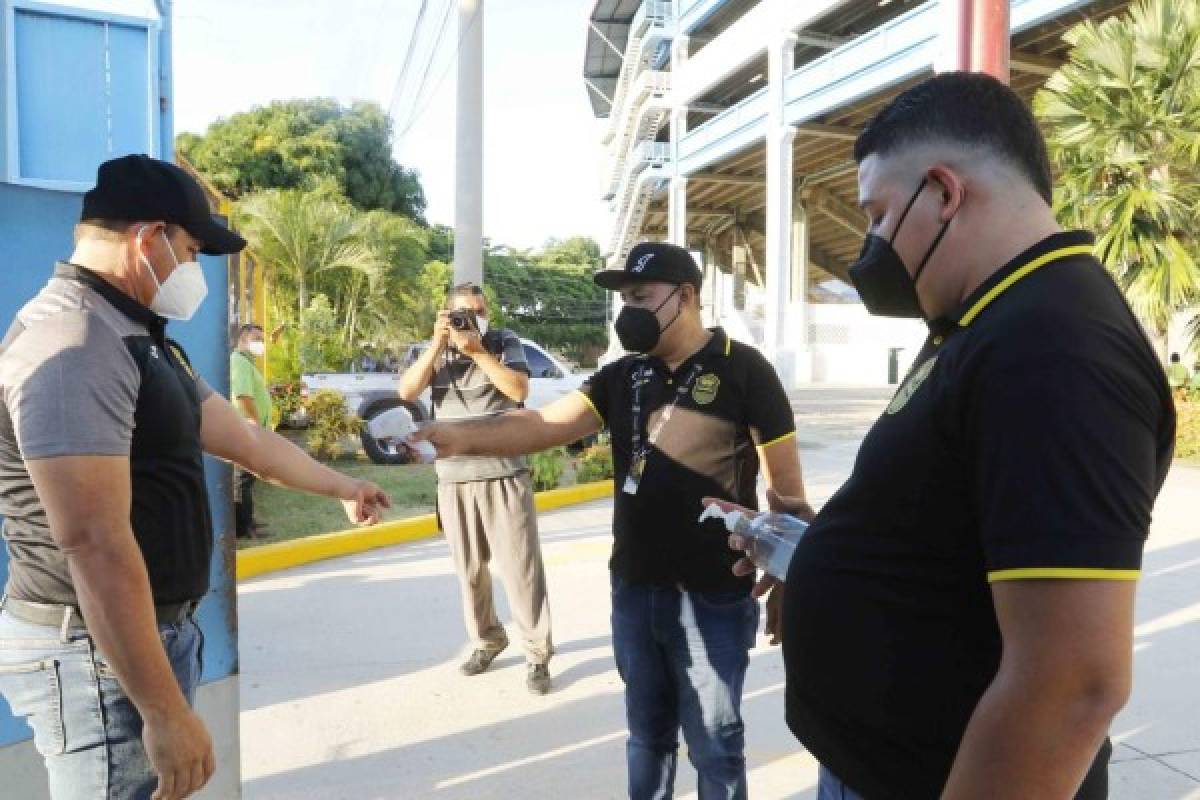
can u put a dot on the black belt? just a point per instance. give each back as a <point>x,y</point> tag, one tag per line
<point>69,618</point>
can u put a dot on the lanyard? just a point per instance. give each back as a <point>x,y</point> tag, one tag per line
<point>641,444</point>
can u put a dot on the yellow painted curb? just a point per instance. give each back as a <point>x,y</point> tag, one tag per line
<point>570,495</point>
<point>255,561</point>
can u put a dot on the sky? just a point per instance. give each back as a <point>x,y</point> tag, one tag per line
<point>543,162</point>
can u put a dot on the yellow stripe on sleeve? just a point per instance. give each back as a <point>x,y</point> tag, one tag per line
<point>783,438</point>
<point>591,405</point>
<point>1068,573</point>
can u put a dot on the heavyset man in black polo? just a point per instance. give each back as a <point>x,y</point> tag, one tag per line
<point>103,426</point>
<point>959,617</point>
<point>692,414</point>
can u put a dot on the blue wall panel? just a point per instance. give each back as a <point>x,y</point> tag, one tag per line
<point>62,106</point>
<point>35,227</point>
<point>206,340</point>
<point>83,94</point>
<point>129,106</point>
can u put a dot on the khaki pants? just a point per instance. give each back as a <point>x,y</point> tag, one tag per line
<point>497,517</point>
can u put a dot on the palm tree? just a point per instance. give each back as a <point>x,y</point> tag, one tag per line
<point>1122,119</point>
<point>310,243</point>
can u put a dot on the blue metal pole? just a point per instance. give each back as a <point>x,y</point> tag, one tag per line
<point>166,86</point>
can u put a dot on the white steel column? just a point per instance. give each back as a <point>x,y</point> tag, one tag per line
<point>677,196</point>
<point>780,182</point>
<point>798,310</point>
<point>468,204</point>
<point>677,211</point>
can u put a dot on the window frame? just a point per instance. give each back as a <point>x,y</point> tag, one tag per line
<point>12,151</point>
<point>536,350</point>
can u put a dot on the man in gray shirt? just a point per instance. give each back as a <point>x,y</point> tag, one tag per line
<point>103,427</point>
<point>485,503</point>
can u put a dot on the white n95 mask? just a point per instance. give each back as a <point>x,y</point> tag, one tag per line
<point>182,292</point>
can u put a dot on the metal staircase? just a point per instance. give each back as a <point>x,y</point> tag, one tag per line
<point>645,177</point>
<point>649,106</point>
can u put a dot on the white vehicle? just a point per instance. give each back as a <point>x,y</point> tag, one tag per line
<point>369,394</point>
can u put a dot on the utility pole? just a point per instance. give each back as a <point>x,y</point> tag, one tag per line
<point>468,217</point>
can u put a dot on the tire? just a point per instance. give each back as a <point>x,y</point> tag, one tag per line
<point>375,450</point>
<point>578,446</point>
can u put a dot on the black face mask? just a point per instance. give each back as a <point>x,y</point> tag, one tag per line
<point>637,328</point>
<point>882,280</point>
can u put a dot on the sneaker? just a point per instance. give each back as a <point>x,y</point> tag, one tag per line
<point>537,681</point>
<point>479,661</point>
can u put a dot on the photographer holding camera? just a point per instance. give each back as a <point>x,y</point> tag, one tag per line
<point>486,503</point>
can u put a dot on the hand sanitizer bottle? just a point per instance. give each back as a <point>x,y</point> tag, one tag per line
<point>771,536</point>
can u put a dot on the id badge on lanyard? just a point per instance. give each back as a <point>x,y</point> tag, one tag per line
<point>641,448</point>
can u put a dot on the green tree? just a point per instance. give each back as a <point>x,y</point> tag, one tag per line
<point>550,296</point>
<point>1123,127</point>
<point>297,144</point>
<point>576,251</point>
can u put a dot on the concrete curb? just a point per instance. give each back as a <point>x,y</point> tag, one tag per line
<point>255,561</point>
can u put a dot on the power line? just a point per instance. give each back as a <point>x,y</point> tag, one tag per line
<point>414,115</point>
<point>412,47</point>
<point>442,78</point>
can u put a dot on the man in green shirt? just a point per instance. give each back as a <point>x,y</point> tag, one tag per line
<point>1177,374</point>
<point>248,388</point>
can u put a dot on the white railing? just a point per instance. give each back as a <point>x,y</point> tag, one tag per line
<point>896,50</point>
<point>744,117</point>
<point>692,10</point>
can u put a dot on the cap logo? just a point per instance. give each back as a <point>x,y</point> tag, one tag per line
<point>641,263</point>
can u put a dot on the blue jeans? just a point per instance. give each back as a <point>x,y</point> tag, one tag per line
<point>84,726</point>
<point>830,787</point>
<point>683,658</point>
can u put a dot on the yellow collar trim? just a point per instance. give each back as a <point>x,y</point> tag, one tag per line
<point>999,288</point>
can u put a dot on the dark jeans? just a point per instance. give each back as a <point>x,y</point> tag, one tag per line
<point>683,658</point>
<point>243,501</point>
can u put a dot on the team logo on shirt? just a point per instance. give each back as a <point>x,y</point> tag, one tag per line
<point>705,390</point>
<point>911,386</point>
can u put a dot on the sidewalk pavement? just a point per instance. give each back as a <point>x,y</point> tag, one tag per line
<point>350,687</point>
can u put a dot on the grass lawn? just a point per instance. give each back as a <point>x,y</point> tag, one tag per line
<point>292,515</point>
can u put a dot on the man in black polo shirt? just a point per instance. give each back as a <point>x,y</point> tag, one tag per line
<point>693,414</point>
<point>103,426</point>
<point>959,617</point>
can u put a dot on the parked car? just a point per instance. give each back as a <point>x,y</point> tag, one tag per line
<point>369,394</point>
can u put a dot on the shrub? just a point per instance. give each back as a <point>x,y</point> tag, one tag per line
<point>285,401</point>
<point>547,467</point>
<point>595,464</point>
<point>330,423</point>
<point>1187,432</point>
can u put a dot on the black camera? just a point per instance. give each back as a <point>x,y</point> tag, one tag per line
<point>463,319</point>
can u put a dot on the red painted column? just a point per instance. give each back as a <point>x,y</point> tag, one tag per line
<point>983,37</point>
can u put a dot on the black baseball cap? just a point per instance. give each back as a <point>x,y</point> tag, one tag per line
<point>138,187</point>
<point>653,262</point>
